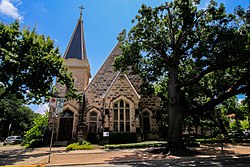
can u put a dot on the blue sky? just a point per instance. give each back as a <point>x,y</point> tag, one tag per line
<point>103,20</point>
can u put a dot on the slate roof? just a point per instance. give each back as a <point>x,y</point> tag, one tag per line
<point>76,47</point>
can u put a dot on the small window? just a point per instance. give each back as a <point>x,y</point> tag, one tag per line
<point>146,121</point>
<point>116,126</point>
<point>93,122</point>
<point>121,104</point>
<point>93,116</point>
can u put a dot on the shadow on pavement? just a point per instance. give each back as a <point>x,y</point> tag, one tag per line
<point>207,156</point>
<point>12,156</point>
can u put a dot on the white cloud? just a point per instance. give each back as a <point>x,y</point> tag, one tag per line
<point>9,8</point>
<point>42,108</point>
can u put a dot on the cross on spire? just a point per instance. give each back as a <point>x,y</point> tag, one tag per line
<point>81,8</point>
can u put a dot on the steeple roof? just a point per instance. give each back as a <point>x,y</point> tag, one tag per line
<point>76,47</point>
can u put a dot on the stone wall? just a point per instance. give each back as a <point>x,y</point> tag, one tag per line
<point>109,85</point>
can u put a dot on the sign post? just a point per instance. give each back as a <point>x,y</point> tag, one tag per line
<point>52,135</point>
<point>56,105</point>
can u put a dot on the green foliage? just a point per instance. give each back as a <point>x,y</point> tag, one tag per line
<point>240,110</point>
<point>245,125</point>
<point>29,63</point>
<point>15,113</point>
<point>197,58</point>
<point>34,136</point>
<point>220,136</point>
<point>84,145</point>
<point>207,47</point>
<point>135,145</point>
<point>233,125</point>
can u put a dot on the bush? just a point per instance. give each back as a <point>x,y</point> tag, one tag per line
<point>122,138</point>
<point>84,145</point>
<point>135,145</point>
<point>34,143</point>
<point>34,136</point>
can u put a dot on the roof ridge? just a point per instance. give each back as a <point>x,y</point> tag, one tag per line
<point>103,64</point>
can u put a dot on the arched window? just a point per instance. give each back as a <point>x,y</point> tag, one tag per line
<point>146,121</point>
<point>121,116</point>
<point>93,122</point>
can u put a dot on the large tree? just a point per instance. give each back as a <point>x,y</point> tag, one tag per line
<point>202,54</point>
<point>29,63</point>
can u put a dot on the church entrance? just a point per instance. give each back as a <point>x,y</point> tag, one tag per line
<point>66,126</point>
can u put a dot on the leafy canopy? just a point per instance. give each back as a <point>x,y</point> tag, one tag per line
<point>29,63</point>
<point>208,48</point>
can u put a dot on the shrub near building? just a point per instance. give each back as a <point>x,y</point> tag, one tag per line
<point>84,145</point>
<point>34,136</point>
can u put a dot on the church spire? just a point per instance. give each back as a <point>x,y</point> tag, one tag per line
<point>76,47</point>
<point>81,8</point>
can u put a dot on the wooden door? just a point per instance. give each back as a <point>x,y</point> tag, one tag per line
<point>66,126</point>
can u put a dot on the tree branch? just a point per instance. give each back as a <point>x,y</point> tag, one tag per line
<point>212,103</point>
<point>182,35</point>
<point>199,76</point>
<point>170,23</point>
<point>9,89</point>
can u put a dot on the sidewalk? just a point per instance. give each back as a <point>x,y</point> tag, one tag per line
<point>138,155</point>
<point>61,157</point>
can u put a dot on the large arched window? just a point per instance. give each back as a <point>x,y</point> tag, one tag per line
<point>93,122</point>
<point>121,116</point>
<point>146,121</point>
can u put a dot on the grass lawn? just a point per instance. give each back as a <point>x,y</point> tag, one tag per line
<point>136,145</point>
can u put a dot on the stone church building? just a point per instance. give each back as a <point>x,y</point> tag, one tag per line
<point>112,101</point>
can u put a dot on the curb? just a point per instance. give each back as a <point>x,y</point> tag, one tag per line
<point>211,158</point>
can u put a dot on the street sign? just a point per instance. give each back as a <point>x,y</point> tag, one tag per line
<point>52,102</point>
<point>59,110</point>
<point>60,102</point>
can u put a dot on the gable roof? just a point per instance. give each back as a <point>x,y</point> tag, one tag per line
<point>115,80</point>
<point>76,47</point>
<point>106,74</point>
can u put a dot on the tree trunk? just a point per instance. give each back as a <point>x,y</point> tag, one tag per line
<point>175,143</point>
<point>237,123</point>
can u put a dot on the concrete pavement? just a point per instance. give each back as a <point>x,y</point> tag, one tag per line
<point>17,155</point>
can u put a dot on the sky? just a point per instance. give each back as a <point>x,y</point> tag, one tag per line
<point>103,20</point>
